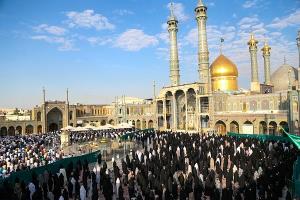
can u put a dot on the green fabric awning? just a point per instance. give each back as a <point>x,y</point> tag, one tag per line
<point>295,139</point>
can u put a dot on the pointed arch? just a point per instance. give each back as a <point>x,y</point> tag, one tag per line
<point>234,127</point>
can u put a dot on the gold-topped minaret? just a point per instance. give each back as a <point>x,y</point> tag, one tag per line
<point>255,86</point>
<point>174,62</point>
<point>266,54</point>
<point>203,54</point>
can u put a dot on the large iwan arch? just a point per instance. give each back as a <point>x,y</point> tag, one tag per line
<point>54,119</point>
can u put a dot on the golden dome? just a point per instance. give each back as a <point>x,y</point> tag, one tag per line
<point>222,66</point>
<point>224,75</point>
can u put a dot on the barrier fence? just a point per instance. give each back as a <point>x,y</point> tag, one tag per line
<point>262,137</point>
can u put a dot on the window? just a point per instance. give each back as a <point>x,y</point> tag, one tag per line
<point>39,116</point>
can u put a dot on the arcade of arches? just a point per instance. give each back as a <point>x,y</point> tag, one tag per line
<point>272,128</point>
<point>178,109</point>
<point>142,124</point>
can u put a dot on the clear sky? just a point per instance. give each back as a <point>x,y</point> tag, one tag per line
<point>100,49</point>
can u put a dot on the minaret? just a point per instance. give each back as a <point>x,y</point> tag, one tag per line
<point>255,86</point>
<point>266,54</point>
<point>298,44</point>
<point>44,95</point>
<point>67,109</point>
<point>203,54</point>
<point>44,116</point>
<point>290,80</point>
<point>154,90</point>
<point>174,62</point>
<point>68,96</point>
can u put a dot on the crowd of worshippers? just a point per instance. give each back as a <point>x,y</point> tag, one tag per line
<point>30,151</point>
<point>183,166</point>
<point>176,166</point>
<point>26,152</point>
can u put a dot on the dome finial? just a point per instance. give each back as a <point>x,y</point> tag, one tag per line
<point>200,3</point>
<point>172,9</point>
<point>266,40</point>
<point>172,16</point>
<point>221,44</point>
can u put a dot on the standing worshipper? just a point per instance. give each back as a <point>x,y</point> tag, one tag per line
<point>82,192</point>
<point>118,183</point>
<point>31,188</point>
<point>107,187</point>
<point>99,158</point>
<point>95,195</point>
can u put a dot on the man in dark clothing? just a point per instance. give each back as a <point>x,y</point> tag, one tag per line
<point>99,158</point>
